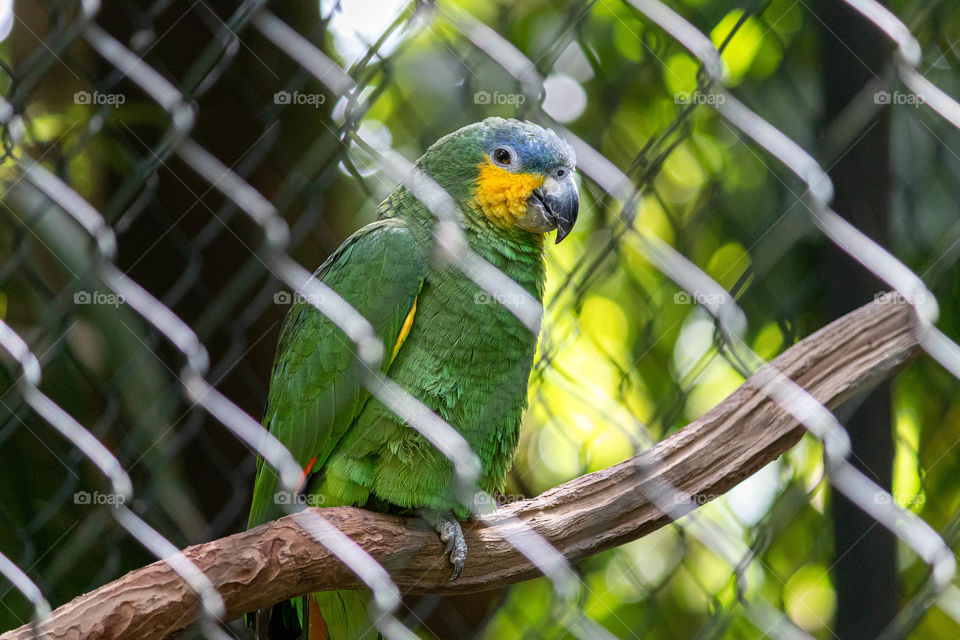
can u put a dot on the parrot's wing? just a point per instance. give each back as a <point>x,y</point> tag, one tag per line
<point>315,390</point>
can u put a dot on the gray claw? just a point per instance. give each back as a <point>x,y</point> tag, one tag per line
<point>451,533</point>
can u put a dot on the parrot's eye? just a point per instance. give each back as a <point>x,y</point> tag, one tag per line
<point>503,156</point>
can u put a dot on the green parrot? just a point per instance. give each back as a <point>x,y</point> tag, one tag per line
<point>451,346</point>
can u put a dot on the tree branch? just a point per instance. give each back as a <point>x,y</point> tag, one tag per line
<point>587,515</point>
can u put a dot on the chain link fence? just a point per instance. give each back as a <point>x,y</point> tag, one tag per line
<point>172,173</point>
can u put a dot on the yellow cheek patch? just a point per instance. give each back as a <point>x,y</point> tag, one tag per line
<point>502,195</point>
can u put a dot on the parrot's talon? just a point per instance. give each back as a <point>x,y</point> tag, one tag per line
<point>451,533</point>
<point>457,566</point>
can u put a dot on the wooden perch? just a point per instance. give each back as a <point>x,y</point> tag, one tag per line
<point>587,515</point>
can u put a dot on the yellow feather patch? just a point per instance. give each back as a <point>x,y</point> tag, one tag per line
<point>502,195</point>
<point>404,330</point>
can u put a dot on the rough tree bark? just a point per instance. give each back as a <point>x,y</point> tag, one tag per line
<point>279,560</point>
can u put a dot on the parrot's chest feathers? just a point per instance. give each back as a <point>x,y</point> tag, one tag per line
<point>473,351</point>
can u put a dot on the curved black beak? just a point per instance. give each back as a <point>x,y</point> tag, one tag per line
<point>561,203</point>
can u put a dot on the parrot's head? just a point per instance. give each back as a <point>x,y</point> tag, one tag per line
<point>514,174</point>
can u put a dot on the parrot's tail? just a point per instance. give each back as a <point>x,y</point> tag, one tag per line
<point>279,622</point>
<point>327,615</point>
<point>340,615</point>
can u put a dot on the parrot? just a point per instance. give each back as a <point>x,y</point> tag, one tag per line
<point>447,343</point>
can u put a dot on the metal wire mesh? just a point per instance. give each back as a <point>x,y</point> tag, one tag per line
<point>168,169</point>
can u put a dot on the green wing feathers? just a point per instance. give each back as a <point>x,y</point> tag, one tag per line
<point>315,389</point>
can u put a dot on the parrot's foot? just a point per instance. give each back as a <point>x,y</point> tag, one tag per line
<point>450,532</point>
